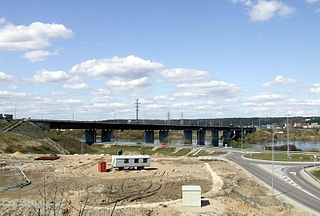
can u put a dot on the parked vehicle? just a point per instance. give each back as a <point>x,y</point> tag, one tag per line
<point>130,161</point>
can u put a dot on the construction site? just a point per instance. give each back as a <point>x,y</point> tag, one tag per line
<point>73,185</point>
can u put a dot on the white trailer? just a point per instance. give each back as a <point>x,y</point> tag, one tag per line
<point>130,161</point>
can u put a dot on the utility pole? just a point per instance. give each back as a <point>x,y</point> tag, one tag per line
<point>168,117</point>
<point>137,109</point>
<point>288,146</point>
<point>181,122</point>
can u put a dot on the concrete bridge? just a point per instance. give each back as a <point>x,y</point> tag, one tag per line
<point>107,130</point>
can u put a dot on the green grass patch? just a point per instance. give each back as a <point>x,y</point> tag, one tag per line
<point>211,160</point>
<point>316,173</point>
<point>282,157</point>
<point>143,150</point>
<point>239,144</point>
<point>112,149</point>
<point>183,152</point>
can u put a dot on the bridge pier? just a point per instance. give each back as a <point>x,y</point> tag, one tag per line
<point>107,136</point>
<point>201,137</point>
<point>187,135</point>
<point>90,135</point>
<point>215,137</point>
<point>149,136</point>
<point>163,136</point>
<point>226,137</point>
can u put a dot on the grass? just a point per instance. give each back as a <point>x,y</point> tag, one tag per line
<point>3,124</point>
<point>144,150</point>
<point>10,144</point>
<point>282,157</point>
<point>316,173</point>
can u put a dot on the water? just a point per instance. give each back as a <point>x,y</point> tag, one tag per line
<point>304,145</point>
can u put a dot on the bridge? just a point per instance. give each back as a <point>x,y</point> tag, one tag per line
<point>107,130</point>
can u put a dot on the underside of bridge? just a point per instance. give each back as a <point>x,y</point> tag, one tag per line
<point>107,131</point>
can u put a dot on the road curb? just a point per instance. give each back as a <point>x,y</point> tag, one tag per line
<point>280,162</point>
<point>309,177</point>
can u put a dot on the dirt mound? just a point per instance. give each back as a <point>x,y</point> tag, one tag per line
<point>18,154</point>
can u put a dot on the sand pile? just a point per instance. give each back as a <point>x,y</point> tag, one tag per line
<point>18,154</point>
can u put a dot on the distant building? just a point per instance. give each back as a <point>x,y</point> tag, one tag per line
<point>6,116</point>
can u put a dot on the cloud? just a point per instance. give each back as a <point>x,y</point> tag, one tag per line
<point>208,89</point>
<point>76,86</point>
<point>35,36</point>
<point>10,95</point>
<point>245,2</point>
<point>2,20</point>
<point>45,76</point>
<point>315,88</point>
<point>38,55</point>
<point>131,67</point>
<point>266,98</point>
<point>312,1</point>
<point>5,78</point>
<point>265,10</point>
<point>279,81</point>
<point>184,74</point>
<point>134,86</point>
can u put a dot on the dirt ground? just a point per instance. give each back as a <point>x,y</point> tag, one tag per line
<point>72,185</point>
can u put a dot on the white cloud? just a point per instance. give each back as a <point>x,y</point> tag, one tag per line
<point>312,1</point>
<point>131,67</point>
<point>2,20</point>
<point>266,98</point>
<point>6,94</point>
<point>279,81</point>
<point>76,79</point>
<point>208,89</point>
<point>265,10</point>
<point>45,76</point>
<point>245,2</point>
<point>38,55</point>
<point>102,92</point>
<point>76,86</point>
<point>184,74</point>
<point>5,78</point>
<point>60,93</point>
<point>163,98</point>
<point>134,86</point>
<point>315,88</point>
<point>35,36</point>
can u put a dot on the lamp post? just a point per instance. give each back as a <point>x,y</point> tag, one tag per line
<point>279,132</point>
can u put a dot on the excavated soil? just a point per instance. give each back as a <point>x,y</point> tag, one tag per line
<point>72,185</point>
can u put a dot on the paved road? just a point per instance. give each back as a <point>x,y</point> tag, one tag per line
<point>295,186</point>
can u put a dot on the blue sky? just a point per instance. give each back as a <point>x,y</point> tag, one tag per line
<point>205,59</point>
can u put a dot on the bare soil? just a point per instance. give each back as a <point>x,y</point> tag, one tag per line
<point>72,185</point>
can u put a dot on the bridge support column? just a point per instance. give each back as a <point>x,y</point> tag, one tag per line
<point>107,136</point>
<point>226,137</point>
<point>201,137</point>
<point>149,136</point>
<point>187,135</point>
<point>163,136</point>
<point>237,134</point>
<point>215,137</point>
<point>90,136</point>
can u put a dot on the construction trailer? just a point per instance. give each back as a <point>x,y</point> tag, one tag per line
<point>130,161</point>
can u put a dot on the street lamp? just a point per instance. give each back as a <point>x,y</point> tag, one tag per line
<point>279,132</point>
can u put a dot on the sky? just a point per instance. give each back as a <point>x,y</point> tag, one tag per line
<point>91,60</point>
